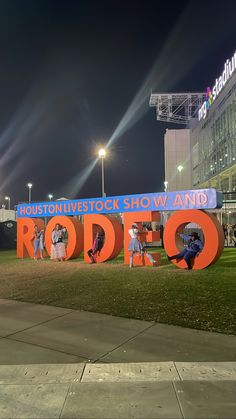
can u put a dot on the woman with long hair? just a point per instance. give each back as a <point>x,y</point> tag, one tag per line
<point>58,248</point>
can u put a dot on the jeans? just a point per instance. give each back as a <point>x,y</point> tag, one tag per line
<point>36,246</point>
<point>187,255</point>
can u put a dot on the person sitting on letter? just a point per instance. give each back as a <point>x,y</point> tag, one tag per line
<point>97,247</point>
<point>194,246</point>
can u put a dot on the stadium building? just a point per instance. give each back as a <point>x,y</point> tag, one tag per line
<point>203,153</point>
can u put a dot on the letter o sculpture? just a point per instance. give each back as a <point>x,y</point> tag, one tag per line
<point>212,231</point>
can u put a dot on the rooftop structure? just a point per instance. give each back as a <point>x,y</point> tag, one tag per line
<point>178,108</point>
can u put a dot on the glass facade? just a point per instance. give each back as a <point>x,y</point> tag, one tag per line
<point>214,144</point>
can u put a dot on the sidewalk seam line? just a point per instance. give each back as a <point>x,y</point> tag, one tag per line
<point>123,343</point>
<point>178,401</point>
<point>180,378</point>
<point>47,347</point>
<point>63,404</point>
<point>37,324</point>
<point>82,374</point>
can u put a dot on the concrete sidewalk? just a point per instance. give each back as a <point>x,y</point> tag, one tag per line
<point>133,390</point>
<point>31,333</point>
<point>60,363</point>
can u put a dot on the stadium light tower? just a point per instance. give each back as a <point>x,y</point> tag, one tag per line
<point>50,196</point>
<point>178,108</point>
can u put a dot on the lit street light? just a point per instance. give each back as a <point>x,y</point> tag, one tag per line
<point>165,213</point>
<point>7,198</point>
<point>29,185</point>
<point>50,196</point>
<point>102,155</point>
<point>180,168</point>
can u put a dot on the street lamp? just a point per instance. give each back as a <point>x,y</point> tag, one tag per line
<point>50,196</point>
<point>29,185</point>
<point>7,198</point>
<point>102,155</point>
<point>180,168</point>
<point>164,214</point>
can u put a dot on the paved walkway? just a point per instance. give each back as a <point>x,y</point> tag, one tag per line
<point>56,362</point>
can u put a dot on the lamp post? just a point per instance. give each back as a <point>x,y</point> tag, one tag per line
<point>180,168</point>
<point>50,196</point>
<point>164,214</point>
<point>7,198</point>
<point>102,155</point>
<point>29,186</point>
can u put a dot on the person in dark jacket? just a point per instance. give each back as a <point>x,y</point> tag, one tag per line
<point>97,247</point>
<point>194,246</point>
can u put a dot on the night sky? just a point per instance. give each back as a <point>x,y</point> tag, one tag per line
<point>70,71</point>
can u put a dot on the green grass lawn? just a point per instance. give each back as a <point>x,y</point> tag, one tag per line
<point>198,299</point>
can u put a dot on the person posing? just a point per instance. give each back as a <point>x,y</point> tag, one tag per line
<point>194,246</point>
<point>36,239</point>
<point>97,247</point>
<point>41,242</point>
<point>134,245</point>
<point>58,248</point>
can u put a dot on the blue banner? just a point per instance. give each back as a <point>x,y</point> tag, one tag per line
<point>164,201</point>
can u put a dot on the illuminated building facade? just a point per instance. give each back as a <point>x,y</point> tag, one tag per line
<point>206,148</point>
<point>213,143</point>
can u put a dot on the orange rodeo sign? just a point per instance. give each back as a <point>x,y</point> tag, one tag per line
<point>104,214</point>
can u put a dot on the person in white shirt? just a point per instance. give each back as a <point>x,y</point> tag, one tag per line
<point>58,248</point>
<point>134,245</point>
